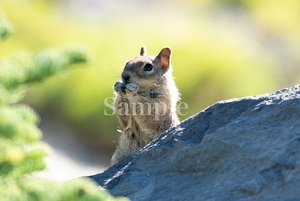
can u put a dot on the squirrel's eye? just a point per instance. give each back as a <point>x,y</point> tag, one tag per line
<point>148,67</point>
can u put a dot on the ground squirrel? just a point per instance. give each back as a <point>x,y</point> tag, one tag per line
<point>145,101</point>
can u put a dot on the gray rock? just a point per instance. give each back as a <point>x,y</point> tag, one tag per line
<point>239,149</point>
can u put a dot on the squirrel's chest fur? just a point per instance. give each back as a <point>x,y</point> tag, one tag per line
<point>148,115</point>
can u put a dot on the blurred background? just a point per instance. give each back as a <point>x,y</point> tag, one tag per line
<point>222,49</point>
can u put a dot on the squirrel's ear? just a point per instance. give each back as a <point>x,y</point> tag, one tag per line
<point>165,56</point>
<point>143,51</point>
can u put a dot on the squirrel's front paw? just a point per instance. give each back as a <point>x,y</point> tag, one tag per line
<point>119,87</point>
<point>132,88</point>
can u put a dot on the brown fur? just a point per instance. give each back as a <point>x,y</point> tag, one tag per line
<point>152,93</point>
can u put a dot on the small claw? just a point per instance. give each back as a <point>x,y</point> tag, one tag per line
<point>119,87</point>
<point>132,88</point>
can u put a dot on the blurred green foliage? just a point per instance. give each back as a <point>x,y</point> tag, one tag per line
<point>21,151</point>
<point>5,27</point>
<point>221,50</point>
<point>34,189</point>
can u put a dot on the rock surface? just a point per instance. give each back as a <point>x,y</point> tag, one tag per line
<point>239,149</point>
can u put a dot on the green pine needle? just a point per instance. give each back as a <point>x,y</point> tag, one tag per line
<point>23,68</point>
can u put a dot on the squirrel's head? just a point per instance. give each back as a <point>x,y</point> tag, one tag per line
<point>148,71</point>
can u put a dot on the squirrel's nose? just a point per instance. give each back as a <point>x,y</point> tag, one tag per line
<point>125,77</point>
